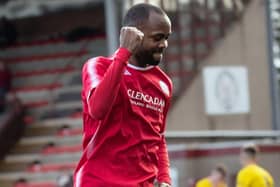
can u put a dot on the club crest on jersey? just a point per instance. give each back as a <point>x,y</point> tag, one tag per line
<point>164,88</point>
<point>126,72</point>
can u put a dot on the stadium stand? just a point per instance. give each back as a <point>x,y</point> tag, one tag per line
<point>43,153</point>
<point>52,74</point>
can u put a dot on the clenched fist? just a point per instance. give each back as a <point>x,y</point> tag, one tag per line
<point>130,38</point>
<point>164,185</point>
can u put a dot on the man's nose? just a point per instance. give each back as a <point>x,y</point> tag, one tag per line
<point>163,44</point>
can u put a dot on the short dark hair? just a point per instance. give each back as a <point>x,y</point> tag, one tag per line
<point>139,14</point>
<point>222,170</point>
<point>251,150</point>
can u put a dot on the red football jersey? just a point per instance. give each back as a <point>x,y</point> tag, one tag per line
<point>124,114</point>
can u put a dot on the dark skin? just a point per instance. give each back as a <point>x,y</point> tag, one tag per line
<point>156,32</point>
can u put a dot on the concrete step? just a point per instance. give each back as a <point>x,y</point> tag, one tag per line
<point>28,158</point>
<point>54,47</point>
<point>37,144</point>
<point>37,95</point>
<point>55,110</point>
<point>45,79</point>
<point>47,129</point>
<point>47,139</point>
<point>21,162</point>
<point>10,177</point>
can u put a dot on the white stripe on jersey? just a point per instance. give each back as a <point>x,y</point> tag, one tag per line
<point>78,178</point>
<point>90,145</point>
<point>91,70</point>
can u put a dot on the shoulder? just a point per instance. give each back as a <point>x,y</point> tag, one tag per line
<point>96,65</point>
<point>164,75</point>
<point>243,173</point>
<point>165,79</point>
<point>249,173</point>
<point>203,182</point>
<point>266,173</point>
<point>264,170</point>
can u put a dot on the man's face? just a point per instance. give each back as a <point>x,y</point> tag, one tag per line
<point>156,32</point>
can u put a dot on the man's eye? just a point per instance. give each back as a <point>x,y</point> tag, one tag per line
<point>158,38</point>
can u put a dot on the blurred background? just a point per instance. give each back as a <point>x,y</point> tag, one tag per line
<point>223,58</point>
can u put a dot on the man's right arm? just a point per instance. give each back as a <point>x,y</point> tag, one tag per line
<point>101,97</point>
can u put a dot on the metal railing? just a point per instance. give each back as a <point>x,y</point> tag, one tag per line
<point>220,136</point>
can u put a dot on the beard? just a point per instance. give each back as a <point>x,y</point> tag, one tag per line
<point>147,57</point>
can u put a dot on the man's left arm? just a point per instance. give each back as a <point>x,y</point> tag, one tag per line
<point>163,177</point>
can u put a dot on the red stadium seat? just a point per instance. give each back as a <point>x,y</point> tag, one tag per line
<point>69,132</point>
<point>76,115</point>
<point>35,184</point>
<point>61,149</point>
<point>51,167</point>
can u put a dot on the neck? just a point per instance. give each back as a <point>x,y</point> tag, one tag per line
<point>133,60</point>
<point>249,162</point>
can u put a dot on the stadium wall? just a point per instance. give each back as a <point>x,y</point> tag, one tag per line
<point>245,44</point>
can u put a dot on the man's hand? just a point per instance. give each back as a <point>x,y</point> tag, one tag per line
<point>131,38</point>
<point>163,185</point>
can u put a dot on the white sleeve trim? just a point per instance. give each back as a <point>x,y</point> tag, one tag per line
<point>94,80</point>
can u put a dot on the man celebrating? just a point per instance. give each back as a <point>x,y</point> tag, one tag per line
<point>125,102</point>
<point>252,175</point>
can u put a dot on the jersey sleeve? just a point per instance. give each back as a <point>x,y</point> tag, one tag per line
<point>164,163</point>
<point>268,179</point>
<point>166,109</point>
<point>101,85</point>
<point>91,76</point>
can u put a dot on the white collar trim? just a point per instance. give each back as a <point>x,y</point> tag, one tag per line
<point>140,68</point>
